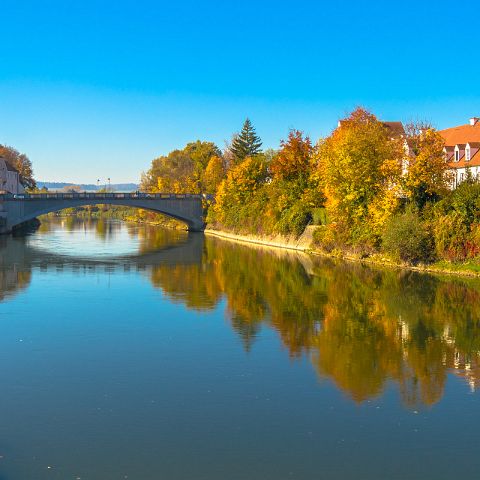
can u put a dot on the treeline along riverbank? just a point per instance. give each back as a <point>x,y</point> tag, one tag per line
<point>365,192</point>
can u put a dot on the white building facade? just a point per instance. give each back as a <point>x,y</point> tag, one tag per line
<point>9,178</point>
<point>462,150</point>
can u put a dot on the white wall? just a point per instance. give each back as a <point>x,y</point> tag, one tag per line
<point>9,181</point>
<point>461,173</point>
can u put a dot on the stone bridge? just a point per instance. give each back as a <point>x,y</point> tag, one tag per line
<point>18,209</point>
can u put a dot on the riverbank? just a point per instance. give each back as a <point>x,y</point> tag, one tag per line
<point>304,244</point>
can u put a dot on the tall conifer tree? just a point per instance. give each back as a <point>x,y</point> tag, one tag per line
<point>245,144</point>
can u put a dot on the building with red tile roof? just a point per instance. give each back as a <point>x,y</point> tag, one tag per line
<point>462,147</point>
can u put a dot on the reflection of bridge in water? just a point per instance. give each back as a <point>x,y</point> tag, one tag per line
<point>18,259</point>
<point>17,255</point>
<point>18,209</point>
<point>361,327</point>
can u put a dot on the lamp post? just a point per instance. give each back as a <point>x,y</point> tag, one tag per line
<point>109,184</point>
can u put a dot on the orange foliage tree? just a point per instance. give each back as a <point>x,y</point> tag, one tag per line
<point>293,159</point>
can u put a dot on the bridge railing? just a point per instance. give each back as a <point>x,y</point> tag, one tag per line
<point>99,196</point>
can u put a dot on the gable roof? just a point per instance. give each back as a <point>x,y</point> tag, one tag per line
<point>396,128</point>
<point>462,162</point>
<point>461,135</point>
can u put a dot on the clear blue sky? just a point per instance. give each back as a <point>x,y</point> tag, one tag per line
<point>91,89</point>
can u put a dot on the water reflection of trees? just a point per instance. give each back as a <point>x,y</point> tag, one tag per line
<point>361,327</point>
<point>104,228</point>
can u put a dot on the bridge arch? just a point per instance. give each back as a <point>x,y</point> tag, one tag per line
<point>18,209</point>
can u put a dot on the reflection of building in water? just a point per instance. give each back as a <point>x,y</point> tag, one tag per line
<point>403,330</point>
<point>12,281</point>
<point>464,365</point>
<point>15,275</point>
<point>361,328</point>
<point>464,368</point>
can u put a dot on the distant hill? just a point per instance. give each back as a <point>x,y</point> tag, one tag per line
<point>116,187</point>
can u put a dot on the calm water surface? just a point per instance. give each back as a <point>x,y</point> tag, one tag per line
<point>132,352</point>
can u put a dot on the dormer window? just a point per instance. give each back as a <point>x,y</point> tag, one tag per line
<point>467,153</point>
<point>457,153</point>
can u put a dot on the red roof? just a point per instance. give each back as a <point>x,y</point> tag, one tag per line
<point>461,135</point>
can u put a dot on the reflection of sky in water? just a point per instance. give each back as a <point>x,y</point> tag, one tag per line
<point>217,361</point>
<point>109,239</point>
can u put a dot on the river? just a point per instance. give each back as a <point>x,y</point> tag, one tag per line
<point>135,352</point>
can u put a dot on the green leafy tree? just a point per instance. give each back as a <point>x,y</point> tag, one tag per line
<point>201,153</point>
<point>171,173</point>
<point>181,171</point>
<point>246,144</point>
<point>456,223</point>
<point>407,238</point>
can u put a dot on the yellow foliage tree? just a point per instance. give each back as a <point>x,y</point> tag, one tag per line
<point>214,174</point>
<point>427,176</point>
<point>360,168</point>
<point>241,182</point>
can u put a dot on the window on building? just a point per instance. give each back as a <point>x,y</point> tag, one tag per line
<point>457,155</point>
<point>461,177</point>
<point>467,154</point>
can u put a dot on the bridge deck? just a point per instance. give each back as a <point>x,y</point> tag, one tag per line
<point>16,209</point>
<point>99,196</point>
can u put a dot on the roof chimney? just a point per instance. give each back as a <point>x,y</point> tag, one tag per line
<point>473,121</point>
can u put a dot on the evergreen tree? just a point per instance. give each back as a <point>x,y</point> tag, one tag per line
<point>245,144</point>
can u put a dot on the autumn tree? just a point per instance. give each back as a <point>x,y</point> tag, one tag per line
<point>170,173</point>
<point>201,153</point>
<point>181,171</point>
<point>214,174</point>
<point>293,158</point>
<point>427,175</point>
<point>245,144</point>
<point>20,162</point>
<point>236,192</point>
<point>361,164</point>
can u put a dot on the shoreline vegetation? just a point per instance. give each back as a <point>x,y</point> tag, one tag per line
<point>366,192</point>
<point>299,244</point>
